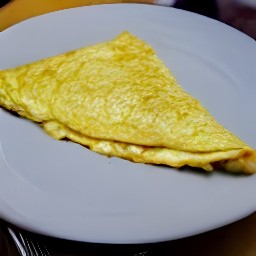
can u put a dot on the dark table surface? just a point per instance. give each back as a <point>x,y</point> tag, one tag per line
<point>236,239</point>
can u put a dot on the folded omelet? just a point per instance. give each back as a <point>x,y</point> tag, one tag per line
<point>119,99</point>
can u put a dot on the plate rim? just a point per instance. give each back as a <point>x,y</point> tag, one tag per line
<point>17,26</point>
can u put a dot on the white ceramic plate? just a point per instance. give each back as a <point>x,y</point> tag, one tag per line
<point>62,189</point>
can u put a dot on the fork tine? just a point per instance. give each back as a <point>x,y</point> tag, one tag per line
<point>35,247</point>
<point>19,243</point>
<point>28,246</point>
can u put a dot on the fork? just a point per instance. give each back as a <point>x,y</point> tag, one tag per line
<point>26,245</point>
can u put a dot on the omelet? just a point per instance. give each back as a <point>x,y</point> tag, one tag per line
<point>119,99</point>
